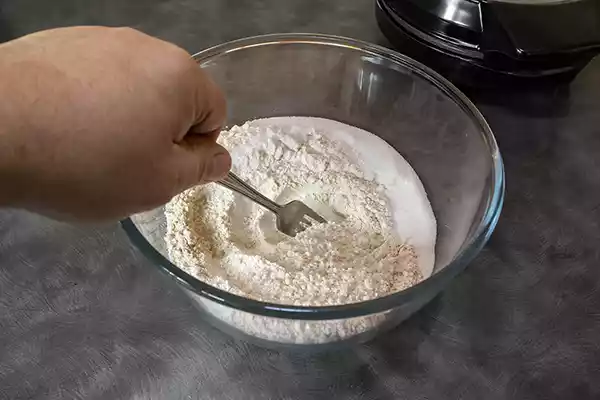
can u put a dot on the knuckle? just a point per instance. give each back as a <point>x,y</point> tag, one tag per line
<point>176,62</point>
<point>179,57</point>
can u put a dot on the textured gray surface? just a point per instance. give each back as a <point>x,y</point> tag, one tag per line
<point>83,316</point>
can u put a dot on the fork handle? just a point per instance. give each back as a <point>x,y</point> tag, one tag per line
<point>235,183</point>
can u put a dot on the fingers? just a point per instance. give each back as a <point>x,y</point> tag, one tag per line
<point>211,107</point>
<point>199,160</point>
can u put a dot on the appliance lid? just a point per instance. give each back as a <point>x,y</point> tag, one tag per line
<point>518,29</point>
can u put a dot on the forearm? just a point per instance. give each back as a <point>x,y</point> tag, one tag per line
<point>11,174</point>
<point>13,152</point>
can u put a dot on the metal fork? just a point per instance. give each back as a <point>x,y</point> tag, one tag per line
<point>292,218</point>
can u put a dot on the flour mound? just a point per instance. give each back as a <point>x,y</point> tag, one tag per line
<point>231,243</point>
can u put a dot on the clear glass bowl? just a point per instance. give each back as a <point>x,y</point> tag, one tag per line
<point>423,116</point>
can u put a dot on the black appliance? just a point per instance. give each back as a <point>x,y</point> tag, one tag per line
<point>491,43</point>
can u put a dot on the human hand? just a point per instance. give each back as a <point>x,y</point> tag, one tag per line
<point>99,123</point>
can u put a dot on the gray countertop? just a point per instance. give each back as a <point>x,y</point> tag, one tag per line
<point>84,316</point>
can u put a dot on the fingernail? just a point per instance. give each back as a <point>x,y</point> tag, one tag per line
<point>220,166</point>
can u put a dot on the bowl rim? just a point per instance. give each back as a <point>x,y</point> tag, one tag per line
<point>432,284</point>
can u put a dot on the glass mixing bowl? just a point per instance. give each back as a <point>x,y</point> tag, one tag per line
<point>419,113</point>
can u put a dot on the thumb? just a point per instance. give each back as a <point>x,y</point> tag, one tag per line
<point>202,160</point>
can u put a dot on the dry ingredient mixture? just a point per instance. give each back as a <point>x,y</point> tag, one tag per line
<point>379,241</point>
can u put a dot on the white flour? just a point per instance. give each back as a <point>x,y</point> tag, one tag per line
<point>381,240</point>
